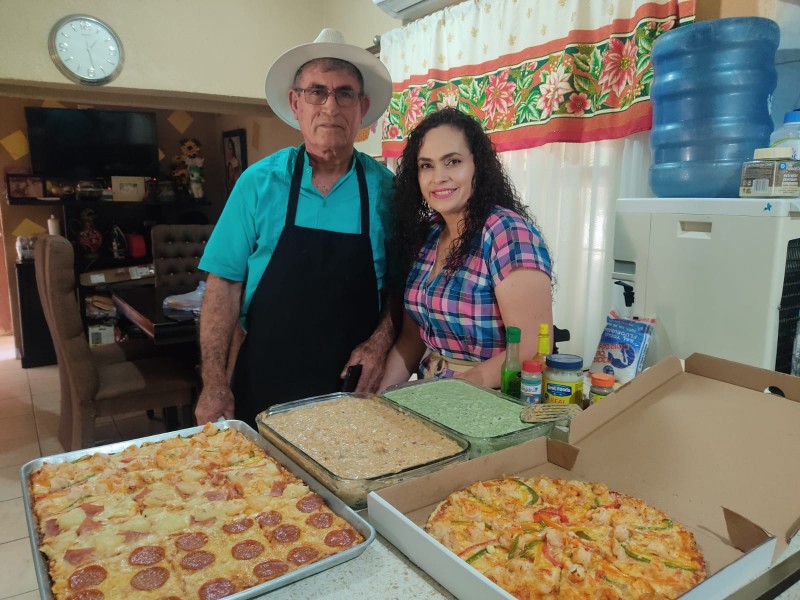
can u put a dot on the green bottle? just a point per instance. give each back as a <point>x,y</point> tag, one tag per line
<point>511,371</point>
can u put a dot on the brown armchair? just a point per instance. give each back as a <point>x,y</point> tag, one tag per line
<point>105,380</point>
<point>176,253</point>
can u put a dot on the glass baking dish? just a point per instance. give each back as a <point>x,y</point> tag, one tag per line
<point>354,490</point>
<point>468,406</point>
<point>334,503</point>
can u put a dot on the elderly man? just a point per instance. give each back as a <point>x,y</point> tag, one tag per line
<point>298,255</point>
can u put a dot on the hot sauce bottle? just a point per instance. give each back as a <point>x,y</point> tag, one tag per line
<point>511,371</point>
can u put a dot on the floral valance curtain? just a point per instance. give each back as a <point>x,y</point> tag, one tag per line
<point>532,71</point>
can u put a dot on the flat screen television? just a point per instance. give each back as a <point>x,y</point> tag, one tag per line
<point>77,144</point>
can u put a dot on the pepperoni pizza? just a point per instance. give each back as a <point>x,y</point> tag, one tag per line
<point>550,538</point>
<point>197,517</point>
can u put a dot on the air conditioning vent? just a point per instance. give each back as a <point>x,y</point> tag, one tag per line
<point>412,9</point>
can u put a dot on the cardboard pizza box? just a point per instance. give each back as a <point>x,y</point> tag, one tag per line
<point>702,442</point>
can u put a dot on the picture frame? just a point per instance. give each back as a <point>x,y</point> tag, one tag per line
<point>128,189</point>
<point>24,186</point>
<point>234,151</point>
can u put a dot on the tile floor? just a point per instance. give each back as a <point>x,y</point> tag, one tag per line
<point>29,400</point>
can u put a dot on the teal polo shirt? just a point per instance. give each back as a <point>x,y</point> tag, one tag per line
<point>253,218</point>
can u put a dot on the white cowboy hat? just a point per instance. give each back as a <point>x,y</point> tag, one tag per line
<point>329,43</point>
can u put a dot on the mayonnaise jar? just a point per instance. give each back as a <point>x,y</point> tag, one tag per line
<point>563,379</point>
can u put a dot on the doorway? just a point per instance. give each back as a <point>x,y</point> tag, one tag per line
<point>5,293</point>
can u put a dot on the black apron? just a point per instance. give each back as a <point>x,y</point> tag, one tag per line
<point>316,301</point>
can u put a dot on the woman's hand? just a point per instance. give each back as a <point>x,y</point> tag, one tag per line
<point>473,375</point>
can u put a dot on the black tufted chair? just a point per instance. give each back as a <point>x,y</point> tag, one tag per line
<point>176,253</point>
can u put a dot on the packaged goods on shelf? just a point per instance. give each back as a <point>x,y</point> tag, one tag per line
<point>145,273</point>
<point>100,306</point>
<point>101,333</point>
<point>771,173</point>
<point>788,135</point>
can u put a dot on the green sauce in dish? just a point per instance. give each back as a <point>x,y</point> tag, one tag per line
<point>462,407</point>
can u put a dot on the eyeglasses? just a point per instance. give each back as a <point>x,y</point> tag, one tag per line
<point>319,96</point>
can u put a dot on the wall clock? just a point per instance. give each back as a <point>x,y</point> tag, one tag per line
<point>86,50</point>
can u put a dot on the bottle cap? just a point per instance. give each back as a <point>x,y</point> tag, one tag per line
<point>565,362</point>
<point>513,335</point>
<point>603,379</point>
<point>793,116</point>
<point>532,366</point>
<point>544,329</point>
<point>776,153</point>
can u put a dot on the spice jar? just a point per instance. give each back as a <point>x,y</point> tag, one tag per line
<point>530,390</point>
<point>563,379</point>
<point>602,386</point>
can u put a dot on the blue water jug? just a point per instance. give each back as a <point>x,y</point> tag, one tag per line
<point>711,95</point>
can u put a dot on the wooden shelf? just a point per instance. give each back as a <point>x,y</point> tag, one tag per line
<point>94,203</point>
<point>34,202</point>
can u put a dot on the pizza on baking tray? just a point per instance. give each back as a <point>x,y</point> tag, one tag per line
<point>186,517</point>
<point>551,538</point>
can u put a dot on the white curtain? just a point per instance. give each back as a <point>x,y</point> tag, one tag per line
<point>572,190</point>
<point>475,55</point>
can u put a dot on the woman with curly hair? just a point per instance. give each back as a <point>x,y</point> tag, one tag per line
<point>472,259</point>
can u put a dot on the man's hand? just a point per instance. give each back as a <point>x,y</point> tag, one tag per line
<point>371,355</point>
<point>372,358</point>
<point>214,402</point>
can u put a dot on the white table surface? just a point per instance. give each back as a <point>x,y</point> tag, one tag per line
<point>381,572</point>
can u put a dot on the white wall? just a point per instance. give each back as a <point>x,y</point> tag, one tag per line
<point>207,49</point>
<point>787,14</point>
<point>787,61</point>
<point>358,20</point>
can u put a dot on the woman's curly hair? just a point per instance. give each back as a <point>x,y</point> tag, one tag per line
<point>490,187</point>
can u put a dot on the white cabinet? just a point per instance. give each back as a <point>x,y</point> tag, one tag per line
<point>721,275</point>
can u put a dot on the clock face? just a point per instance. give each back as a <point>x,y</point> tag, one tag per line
<point>86,50</point>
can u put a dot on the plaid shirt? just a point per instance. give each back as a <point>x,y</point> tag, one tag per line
<point>458,315</point>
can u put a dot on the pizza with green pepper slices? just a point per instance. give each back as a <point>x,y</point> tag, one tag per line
<point>543,538</point>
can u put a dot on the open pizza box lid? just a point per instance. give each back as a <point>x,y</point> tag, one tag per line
<point>703,443</point>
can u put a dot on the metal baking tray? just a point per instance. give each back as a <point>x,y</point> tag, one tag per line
<point>334,503</point>
<point>354,491</point>
<point>478,445</point>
